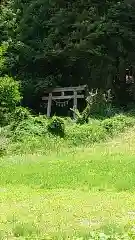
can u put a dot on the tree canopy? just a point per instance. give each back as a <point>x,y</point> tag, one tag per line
<point>67,43</point>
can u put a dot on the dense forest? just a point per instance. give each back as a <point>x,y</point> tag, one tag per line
<point>49,43</point>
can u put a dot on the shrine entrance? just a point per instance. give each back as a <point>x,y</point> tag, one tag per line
<point>63,97</point>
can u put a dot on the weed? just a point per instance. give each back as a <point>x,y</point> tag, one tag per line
<point>31,135</point>
<point>25,230</point>
<point>117,123</point>
<point>56,126</point>
<point>3,146</point>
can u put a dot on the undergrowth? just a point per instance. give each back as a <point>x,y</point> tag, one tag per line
<point>32,134</point>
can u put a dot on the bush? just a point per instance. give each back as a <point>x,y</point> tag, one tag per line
<point>3,51</point>
<point>33,133</point>
<point>118,123</point>
<point>100,103</point>
<point>5,117</point>
<point>57,126</point>
<point>84,117</point>
<point>97,103</point>
<point>29,127</point>
<point>20,114</point>
<point>9,98</point>
<point>85,134</point>
<point>9,92</point>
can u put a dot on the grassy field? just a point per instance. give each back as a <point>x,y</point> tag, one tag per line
<point>69,193</point>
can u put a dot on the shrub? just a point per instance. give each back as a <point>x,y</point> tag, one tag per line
<point>3,51</point>
<point>97,103</point>
<point>118,123</point>
<point>56,126</point>
<point>100,102</point>
<point>30,127</point>
<point>9,92</point>
<point>21,114</point>
<point>84,117</point>
<point>5,116</point>
<point>9,97</point>
<point>85,134</point>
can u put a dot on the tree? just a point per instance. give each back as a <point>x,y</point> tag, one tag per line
<point>9,98</point>
<point>69,43</point>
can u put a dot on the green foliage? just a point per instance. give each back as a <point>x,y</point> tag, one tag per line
<point>61,182</point>
<point>3,145</point>
<point>56,126</point>
<point>20,114</point>
<point>27,127</point>
<point>98,103</point>
<point>84,117</point>
<point>7,20</point>
<point>71,173</point>
<point>95,235</point>
<point>117,123</point>
<point>9,98</point>
<point>85,134</point>
<point>9,92</point>
<point>25,230</point>
<point>32,134</point>
<point>3,50</point>
<point>77,42</point>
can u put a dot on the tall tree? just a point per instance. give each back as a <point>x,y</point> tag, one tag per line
<point>69,43</point>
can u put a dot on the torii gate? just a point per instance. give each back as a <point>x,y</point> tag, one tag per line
<point>66,93</point>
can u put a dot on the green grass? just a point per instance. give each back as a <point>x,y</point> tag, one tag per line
<point>69,193</point>
<point>64,188</point>
<point>57,213</point>
<point>96,168</point>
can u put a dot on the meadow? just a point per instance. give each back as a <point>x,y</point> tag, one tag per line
<point>81,186</point>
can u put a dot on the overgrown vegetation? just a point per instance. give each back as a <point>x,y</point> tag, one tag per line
<point>48,165</point>
<point>56,126</point>
<point>62,178</point>
<point>9,98</point>
<point>38,134</point>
